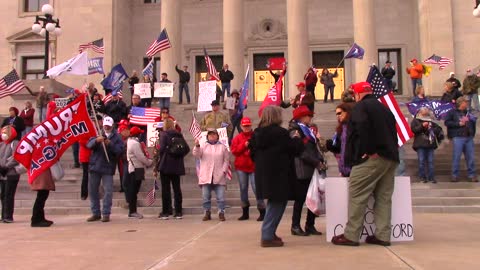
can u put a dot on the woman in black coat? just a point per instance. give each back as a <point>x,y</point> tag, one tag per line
<point>273,151</point>
<point>15,121</point>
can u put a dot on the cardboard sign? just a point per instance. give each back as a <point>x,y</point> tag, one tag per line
<point>206,94</point>
<point>222,134</point>
<point>163,90</point>
<point>143,90</point>
<point>152,134</point>
<point>337,210</point>
<point>61,102</point>
<point>230,103</point>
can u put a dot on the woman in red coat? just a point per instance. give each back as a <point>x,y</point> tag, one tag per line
<point>246,168</point>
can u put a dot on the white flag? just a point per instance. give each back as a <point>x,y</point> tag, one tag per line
<point>77,65</point>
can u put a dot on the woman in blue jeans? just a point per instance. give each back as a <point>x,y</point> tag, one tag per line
<point>272,150</point>
<point>428,136</point>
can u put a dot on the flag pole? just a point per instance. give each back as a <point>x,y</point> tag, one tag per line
<point>96,123</point>
<point>344,57</point>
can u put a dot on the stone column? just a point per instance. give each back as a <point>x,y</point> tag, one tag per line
<point>299,58</point>
<point>171,20</point>
<point>233,41</point>
<point>364,36</point>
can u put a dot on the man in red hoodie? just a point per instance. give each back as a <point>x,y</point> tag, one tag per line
<point>246,168</point>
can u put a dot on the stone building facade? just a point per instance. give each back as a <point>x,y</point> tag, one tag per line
<point>248,32</point>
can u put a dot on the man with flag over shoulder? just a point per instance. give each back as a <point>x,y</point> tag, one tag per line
<point>372,152</point>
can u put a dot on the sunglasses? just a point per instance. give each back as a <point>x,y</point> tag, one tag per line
<point>338,113</point>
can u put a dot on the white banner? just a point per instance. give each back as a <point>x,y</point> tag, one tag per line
<point>337,210</point>
<point>152,134</point>
<point>163,89</point>
<point>230,103</point>
<point>144,90</point>
<point>222,134</point>
<point>206,94</point>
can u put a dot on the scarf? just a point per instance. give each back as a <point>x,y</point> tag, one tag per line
<point>307,132</point>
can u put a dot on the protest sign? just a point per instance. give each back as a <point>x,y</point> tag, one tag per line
<point>143,90</point>
<point>230,103</point>
<point>152,133</point>
<point>61,102</point>
<point>206,94</point>
<point>337,210</point>
<point>222,134</point>
<point>163,90</point>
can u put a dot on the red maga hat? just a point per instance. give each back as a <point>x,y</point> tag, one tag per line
<point>246,121</point>
<point>300,84</point>
<point>361,87</point>
<point>134,131</point>
<point>301,111</point>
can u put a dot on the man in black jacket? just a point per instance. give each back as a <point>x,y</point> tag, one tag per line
<point>226,76</point>
<point>372,152</point>
<point>116,108</point>
<point>388,72</point>
<point>184,78</point>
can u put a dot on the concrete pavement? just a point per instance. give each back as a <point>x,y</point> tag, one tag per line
<point>442,241</point>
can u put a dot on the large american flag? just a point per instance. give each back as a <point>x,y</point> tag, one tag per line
<point>438,60</point>
<point>210,66</point>
<point>97,46</point>
<point>143,116</point>
<point>195,129</point>
<point>10,84</point>
<point>160,44</point>
<point>386,97</point>
<point>106,99</point>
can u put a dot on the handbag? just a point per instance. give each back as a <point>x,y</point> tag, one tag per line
<point>139,173</point>
<point>57,171</point>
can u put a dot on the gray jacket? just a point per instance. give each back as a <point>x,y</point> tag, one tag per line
<point>6,158</point>
<point>135,156</point>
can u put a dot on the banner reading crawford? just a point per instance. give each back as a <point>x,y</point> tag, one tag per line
<point>47,142</point>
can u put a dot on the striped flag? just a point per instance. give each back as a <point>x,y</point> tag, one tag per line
<point>10,84</point>
<point>195,129</point>
<point>229,172</point>
<point>97,46</point>
<point>243,100</point>
<point>382,92</point>
<point>210,66</point>
<point>106,99</point>
<point>160,44</point>
<point>143,116</point>
<point>438,60</point>
<point>150,198</point>
<point>148,70</point>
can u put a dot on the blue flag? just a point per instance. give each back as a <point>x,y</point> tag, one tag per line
<point>438,108</point>
<point>355,52</point>
<point>243,100</point>
<point>114,81</point>
<point>95,65</point>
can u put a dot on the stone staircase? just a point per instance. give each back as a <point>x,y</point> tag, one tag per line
<point>444,197</point>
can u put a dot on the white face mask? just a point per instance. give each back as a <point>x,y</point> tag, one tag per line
<point>4,137</point>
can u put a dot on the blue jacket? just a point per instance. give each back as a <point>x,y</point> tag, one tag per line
<point>452,121</point>
<point>98,162</point>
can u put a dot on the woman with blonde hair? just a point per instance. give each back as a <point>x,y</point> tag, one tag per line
<point>273,152</point>
<point>419,95</point>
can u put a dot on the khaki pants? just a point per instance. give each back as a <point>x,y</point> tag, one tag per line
<point>376,175</point>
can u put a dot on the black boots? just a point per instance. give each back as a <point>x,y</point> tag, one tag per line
<point>262,214</point>
<point>297,230</point>
<point>310,230</point>
<point>245,213</point>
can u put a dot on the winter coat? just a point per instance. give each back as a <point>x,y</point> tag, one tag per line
<point>98,162</point>
<point>226,76</point>
<point>309,158</point>
<point>169,164</point>
<point>7,149</point>
<point>117,110</point>
<point>307,100</point>
<point>327,79</point>
<point>243,161</point>
<point>416,71</point>
<point>184,76</point>
<point>84,152</point>
<point>371,130</point>
<point>471,84</point>
<point>417,99</point>
<point>450,96</point>
<point>310,79</point>
<point>456,83</point>
<point>17,124</point>
<point>214,120</point>
<point>452,121</point>
<point>51,109</point>
<point>27,116</point>
<point>135,155</point>
<point>428,138</point>
<point>337,147</point>
<point>388,73</point>
<point>273,151</point>
<point>43,182</point>
<point>214,161</point>
<point>41,100</point>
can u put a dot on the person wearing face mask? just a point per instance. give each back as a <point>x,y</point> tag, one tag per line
<point>8,176</point>
<point>15,121</point>
<point>102,170</point>
<point>214,161</point>
<point>27,116</point>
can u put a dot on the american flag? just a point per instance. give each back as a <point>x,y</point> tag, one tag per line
<point>148,70</point>
<point>438,60</point>
<point>97,46</point>
<point>150,198</point>
<point>160,44</point>
<point>243,100</point>
<point>143,116</point>
<point>229,172</point>
<point>386,97</point>
<point>106,99</point>
<point>10,84</point>
<point>195,129</point>
<point>210,66</point>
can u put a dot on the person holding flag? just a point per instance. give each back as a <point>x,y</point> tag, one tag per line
<point>235,114</point>
<point>326,78</point>
<point>311,80</point>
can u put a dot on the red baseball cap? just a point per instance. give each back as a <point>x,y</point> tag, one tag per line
<point>123,122</point>
<point>414,60</point>
<point>134,131</point>
<point>361,87</point>
<point>301,111</point>
<point>300,84</point>
<point>246,121</point>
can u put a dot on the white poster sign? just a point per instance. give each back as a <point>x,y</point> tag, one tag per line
<point>152,134</point>
<point>163,90</point>
<point>337,210</point>
<point>61,102</point>
<point>206,94</point>
<point>222,134</point>
<point>230,103</point>
<point>143,90</point>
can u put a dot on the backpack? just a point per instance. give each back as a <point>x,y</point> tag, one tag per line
<point>177,146</point>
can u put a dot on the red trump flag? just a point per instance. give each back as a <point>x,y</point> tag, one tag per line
<point>274,95</point>
<point>46,143</point>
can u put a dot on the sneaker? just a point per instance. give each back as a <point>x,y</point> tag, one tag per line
<point>221,216</point>
<point>433,181</point>
<point>135,215</point>
<point>424,180</point>
<point>8,220</point>
<point>94,218</point>
<point>163,216</point>
<point>106,218</point>
<point>178,216</point>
